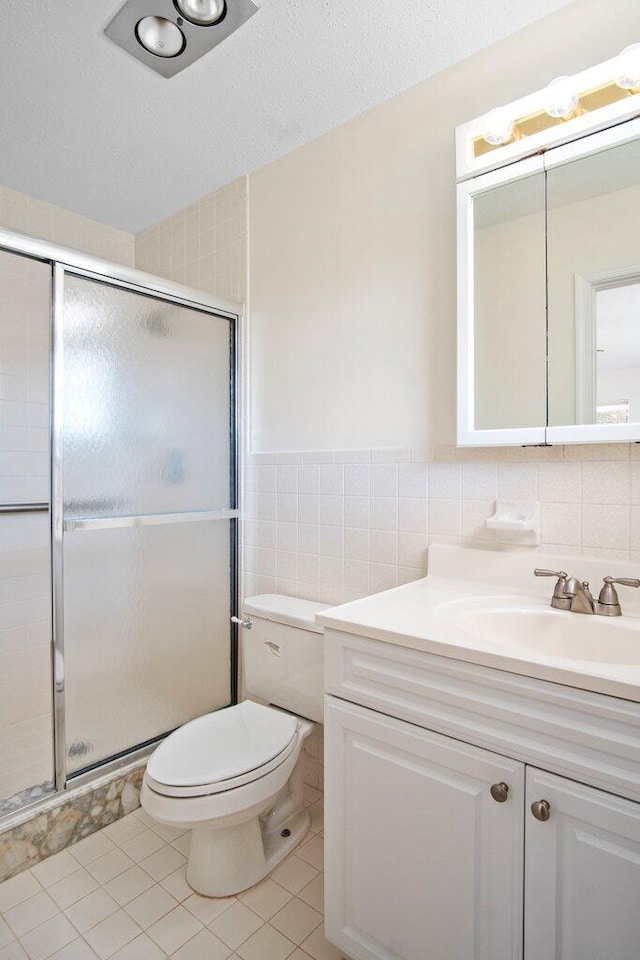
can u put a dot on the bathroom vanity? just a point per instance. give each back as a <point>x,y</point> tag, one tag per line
<point>482,794</point>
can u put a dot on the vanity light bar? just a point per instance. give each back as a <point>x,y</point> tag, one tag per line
<point>569,107</point>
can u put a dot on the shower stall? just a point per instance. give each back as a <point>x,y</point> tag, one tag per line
<point>118,514</point>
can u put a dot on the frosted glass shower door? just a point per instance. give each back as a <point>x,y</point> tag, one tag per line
<point>147,483</point>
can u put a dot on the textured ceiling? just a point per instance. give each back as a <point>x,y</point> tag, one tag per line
<point>86,126</point>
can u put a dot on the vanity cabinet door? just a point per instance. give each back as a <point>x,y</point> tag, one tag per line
<point>422,862</point>
<point>582,881</point>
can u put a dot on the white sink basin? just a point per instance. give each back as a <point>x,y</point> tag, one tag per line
<point>486,608</point>
<point>554,633</point>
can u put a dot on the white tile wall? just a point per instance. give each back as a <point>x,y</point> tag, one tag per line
<point>24,379</point>
<point>337,525</point>
<point>203,245</point>
<point>25,632</point>
<point>25,654</point>
<point>49,222</point>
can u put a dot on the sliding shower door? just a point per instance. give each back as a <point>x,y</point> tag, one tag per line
<point>145,490</point>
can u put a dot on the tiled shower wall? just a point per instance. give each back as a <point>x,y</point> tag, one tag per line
<point>337,525</point>
<point>49,222</point>
<point>203,245</point>
<point>25,604</point>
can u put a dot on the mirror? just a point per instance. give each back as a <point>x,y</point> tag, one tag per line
<point>509,305</point>
<point>549,296</point>
<point>594,288</point>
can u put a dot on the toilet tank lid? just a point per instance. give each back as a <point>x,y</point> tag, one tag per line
<point>289,610</point>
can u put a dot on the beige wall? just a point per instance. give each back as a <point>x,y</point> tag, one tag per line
<point>351,293</point>
<point>352,249</point>
<point>48,222</point>
<point>352,298</point>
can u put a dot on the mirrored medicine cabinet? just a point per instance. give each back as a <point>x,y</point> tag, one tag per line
<point>549,296</point>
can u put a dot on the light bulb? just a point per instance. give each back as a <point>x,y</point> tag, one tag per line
<point>499,127</point>
<point>629,66</point>
<point>160,36</point>
<point>563,99</point>
<point>203,13</point>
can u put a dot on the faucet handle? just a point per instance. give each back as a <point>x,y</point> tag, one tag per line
<point>608,601</point>
<point>559,591</point>
<point>625,581</point>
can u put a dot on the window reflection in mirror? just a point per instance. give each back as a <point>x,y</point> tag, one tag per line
<point>509,305</point>
<point>594,288</point>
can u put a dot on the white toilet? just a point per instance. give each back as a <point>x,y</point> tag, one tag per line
<point>235,776</point>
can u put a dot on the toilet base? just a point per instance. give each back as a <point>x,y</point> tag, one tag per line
<point>226,861</point>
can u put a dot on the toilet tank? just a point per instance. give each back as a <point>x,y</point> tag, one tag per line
<point>283,653</point>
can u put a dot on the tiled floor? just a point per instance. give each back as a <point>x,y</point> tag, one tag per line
<point>121,893</point>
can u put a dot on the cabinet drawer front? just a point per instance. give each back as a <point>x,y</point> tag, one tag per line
<point>582,735</point>
<point>582,873</point>
<point>421,861</point>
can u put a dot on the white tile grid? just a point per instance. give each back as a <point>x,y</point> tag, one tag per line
<point>24,379</point>
<point>121,893</point>
<point>203,245</point>
<point>18,211</point>
<point>25,630</point>
<point>337,525</point>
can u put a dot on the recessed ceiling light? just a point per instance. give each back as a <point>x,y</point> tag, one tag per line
<point>160,36</point>
<point>204,13</point>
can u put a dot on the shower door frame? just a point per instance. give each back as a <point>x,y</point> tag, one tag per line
<point>64,261</point>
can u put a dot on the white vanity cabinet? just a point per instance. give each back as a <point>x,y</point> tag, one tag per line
<point>429,858</point>
<point>397,886</point>
<point>582,873</point>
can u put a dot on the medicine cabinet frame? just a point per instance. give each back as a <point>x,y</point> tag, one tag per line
<point>585,286</point>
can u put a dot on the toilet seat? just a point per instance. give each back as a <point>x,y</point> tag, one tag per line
<point>222,751</point>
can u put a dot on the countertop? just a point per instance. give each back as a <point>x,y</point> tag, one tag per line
<point>430,615</point>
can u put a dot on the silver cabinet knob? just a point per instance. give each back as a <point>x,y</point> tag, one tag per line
<point>541,809</point>
<point>499,791</point>
<point>247,623</point>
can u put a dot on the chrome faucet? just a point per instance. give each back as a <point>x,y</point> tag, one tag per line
<point>571,594</point>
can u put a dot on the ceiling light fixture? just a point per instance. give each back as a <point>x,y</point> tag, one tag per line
<point>203,13</point>
<point>160,36</point>
<point>169,35</point>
